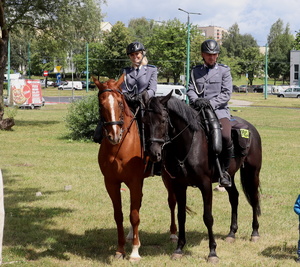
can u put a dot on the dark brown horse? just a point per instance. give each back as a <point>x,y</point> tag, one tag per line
<point>177,137</point>
<point>121,159</point>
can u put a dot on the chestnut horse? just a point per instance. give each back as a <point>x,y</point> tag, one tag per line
<point>121,159</point>
<point>178,139</point>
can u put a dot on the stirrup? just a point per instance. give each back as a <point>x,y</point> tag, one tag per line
<point>225,180</point>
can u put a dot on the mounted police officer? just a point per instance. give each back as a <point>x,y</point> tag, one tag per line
<point>210,88</point>
<point>140,79</point>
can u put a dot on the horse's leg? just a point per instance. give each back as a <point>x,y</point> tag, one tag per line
<point>135,205</point>
<point>233,195</point>
<point>250,182</point>
<point>115,196</point>
<point>180,192</point>
<point>172,205</point>
<point>206,190</point>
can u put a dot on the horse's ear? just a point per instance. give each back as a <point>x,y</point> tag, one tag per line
<point>121,80</point>
<point>96,81</point>
<point>165,99</point>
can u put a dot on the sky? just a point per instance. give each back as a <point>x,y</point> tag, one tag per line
<point>253,17</point>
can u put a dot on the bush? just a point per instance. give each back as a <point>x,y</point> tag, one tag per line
<point>82,118</point>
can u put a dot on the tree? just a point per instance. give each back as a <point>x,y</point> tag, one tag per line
<point>235,43</point>
<point>115,43</point>
<point>59,19</point>
<point>167,48</point>
<point>251,63</point>
<point>280,42</point>
<point>297,41</point>
<point>141,28</point>
<point>164,47</point>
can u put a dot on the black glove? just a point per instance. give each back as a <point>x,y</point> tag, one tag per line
<point>132,100</point>
<point>201,103</point>
<point>145,96</point>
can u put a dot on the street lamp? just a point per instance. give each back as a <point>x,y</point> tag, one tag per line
<point>187,80</point>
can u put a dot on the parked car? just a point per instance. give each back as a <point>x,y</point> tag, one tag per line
<point>50,83</point>
<point>92,85</point>
<point>243,89</point>
<point>256,89</point>
<point>235,88</point>
<point>290,92</point>
<point>69,85</point>
<point>178,90</point>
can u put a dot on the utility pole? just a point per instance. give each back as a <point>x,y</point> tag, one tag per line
<point>266,72</point>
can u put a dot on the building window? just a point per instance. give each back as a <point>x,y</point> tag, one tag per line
<point>296,72</point>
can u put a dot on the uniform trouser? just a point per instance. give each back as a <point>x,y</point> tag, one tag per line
<point>227,145</point>
<point>298,250</point>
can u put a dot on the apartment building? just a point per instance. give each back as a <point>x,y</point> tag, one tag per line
<point>215,32</point>
<point>295,67</point>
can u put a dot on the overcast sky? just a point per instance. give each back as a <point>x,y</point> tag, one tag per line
<point>253,17</point>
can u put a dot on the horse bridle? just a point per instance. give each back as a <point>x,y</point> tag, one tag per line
<point>119,122</point>
<point>167,140</point>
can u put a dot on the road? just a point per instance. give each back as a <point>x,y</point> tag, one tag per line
<point>60,99</point>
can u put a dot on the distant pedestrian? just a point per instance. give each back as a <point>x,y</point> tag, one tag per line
<point>297,210</point>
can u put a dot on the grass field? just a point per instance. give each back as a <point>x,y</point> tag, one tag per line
<point>58,212</point>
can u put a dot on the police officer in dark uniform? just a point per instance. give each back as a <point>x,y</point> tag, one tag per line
<point>139,79</point>
<point>211,85</point>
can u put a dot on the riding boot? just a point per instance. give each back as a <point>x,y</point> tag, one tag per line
<point>225,179</point>
<point>98,134</point>
<point>154,168</point>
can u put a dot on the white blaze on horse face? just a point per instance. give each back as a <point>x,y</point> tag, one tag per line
<point>113,114</point>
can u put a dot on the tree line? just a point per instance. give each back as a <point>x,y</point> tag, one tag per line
<point>44,34</point>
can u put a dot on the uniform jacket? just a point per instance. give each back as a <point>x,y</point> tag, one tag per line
<point>214,85</point>
<point>136,82</point>
<point>297,206</point>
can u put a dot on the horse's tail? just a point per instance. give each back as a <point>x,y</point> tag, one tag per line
<point>251,187</point>
<point>189,211</point>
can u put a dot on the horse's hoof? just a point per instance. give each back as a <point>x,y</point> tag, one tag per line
<point>213,260</point>
<point>254,238</point>
<point>119,256</point>
<point>134,259</point>
<point>230,239</point>
<point>174,238</point>
<point>176,256</point>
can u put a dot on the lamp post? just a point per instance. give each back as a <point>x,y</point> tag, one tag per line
<point>266,71</point>
<point>187,80</point>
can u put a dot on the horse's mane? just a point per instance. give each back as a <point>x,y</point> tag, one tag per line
<point>182,110</point>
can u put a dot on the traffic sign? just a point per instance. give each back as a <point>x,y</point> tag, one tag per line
<point>46,73</point>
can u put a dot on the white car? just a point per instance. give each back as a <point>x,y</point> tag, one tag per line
<point>69,85</point>
<point>290,92</point>
<point>178,91</point>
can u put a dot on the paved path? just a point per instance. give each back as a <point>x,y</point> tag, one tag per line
<point>239,103</point>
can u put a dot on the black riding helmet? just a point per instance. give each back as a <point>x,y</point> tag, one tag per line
<point>135,47</point>
<point>210,47</point>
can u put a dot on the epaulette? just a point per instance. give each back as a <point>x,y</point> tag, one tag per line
<point>223,65</point>
<point>152,66</point>
<point>126,69</point>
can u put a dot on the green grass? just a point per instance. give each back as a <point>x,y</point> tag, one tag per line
<point>76,227</point>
